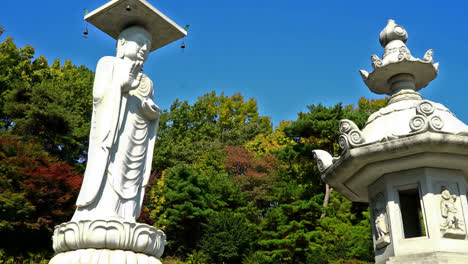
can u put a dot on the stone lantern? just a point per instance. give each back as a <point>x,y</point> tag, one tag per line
<point>409,162</point>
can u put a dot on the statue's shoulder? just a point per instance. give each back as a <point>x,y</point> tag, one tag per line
<point>104,77</point>
<point>106,61</point>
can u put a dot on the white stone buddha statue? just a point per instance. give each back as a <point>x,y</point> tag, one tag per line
<point>123,131</point>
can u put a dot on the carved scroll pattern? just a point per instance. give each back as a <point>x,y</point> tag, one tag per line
<point>425,120</point>
<point>323,158</point>
<point>351,135</point>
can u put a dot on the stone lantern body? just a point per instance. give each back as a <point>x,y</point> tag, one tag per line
<point>409,162</point>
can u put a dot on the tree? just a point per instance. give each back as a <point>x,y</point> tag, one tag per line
<point>304,224</point>
<point>342,235</point>
<point>186,208</point>
<point>188,132</point>
<point>190,157</point>
<point>251,174</point>
<point>318,129</point>
<point>37,192</point>
<point>227,237</point>
<point>44,123</point>
<point>270,143</point>
<point>286,229</point>
<point>51,104</point>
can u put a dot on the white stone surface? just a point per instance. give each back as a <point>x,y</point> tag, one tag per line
<point>324,159</point>
<point>397,59</point>
<point>114,235</point>
<point>103,256</point>
<point>429,182</point>
<point>382,233</point>
<point>452,220</point>
<point>123,130</point>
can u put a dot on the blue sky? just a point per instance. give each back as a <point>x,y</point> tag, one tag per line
<point>284,54</point>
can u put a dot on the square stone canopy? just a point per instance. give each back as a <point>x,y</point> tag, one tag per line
<point>117,15</point>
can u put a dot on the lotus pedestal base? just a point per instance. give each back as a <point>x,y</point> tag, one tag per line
<point>107,242</point>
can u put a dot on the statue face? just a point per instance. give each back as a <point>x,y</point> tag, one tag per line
<point>134,43</point>
<point>445,194</point>
<point>136,47</point>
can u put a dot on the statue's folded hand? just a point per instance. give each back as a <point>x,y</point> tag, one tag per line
<point>149,109</point>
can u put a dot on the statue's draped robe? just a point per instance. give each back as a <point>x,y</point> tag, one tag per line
<point>120,147</point>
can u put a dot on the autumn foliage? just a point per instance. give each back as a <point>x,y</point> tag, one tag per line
<point>37,191</point>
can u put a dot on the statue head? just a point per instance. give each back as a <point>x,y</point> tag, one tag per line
<point>445,194</point>
<point>134,43</point>
<point>379,202</point>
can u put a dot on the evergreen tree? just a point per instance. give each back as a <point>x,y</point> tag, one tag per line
<point>227,237</point>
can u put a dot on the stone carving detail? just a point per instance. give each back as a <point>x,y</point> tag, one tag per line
<point>424,119</point>
<point>111,234</point>
<point>404,95</point>
<point>376,62</point>
<point>400,52</point>
<point>323,158</point>
<point>436,123</point>
<point>451,223</point>
<point>380,222</point>
<point>428,56</point>
<point>418,123</point>
<point>404,53</point>
<point>425,108</point>
<point>351,135</point>
<point>392,32</point>
<point>397,59</point>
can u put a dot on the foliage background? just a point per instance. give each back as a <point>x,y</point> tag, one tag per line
<point>226,186</point>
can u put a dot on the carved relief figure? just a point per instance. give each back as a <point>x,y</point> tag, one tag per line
<point>380,217</point>
<point>450,219</point>
<point>123,131</point>
<point>381,225</point>
<point>380,222</point>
